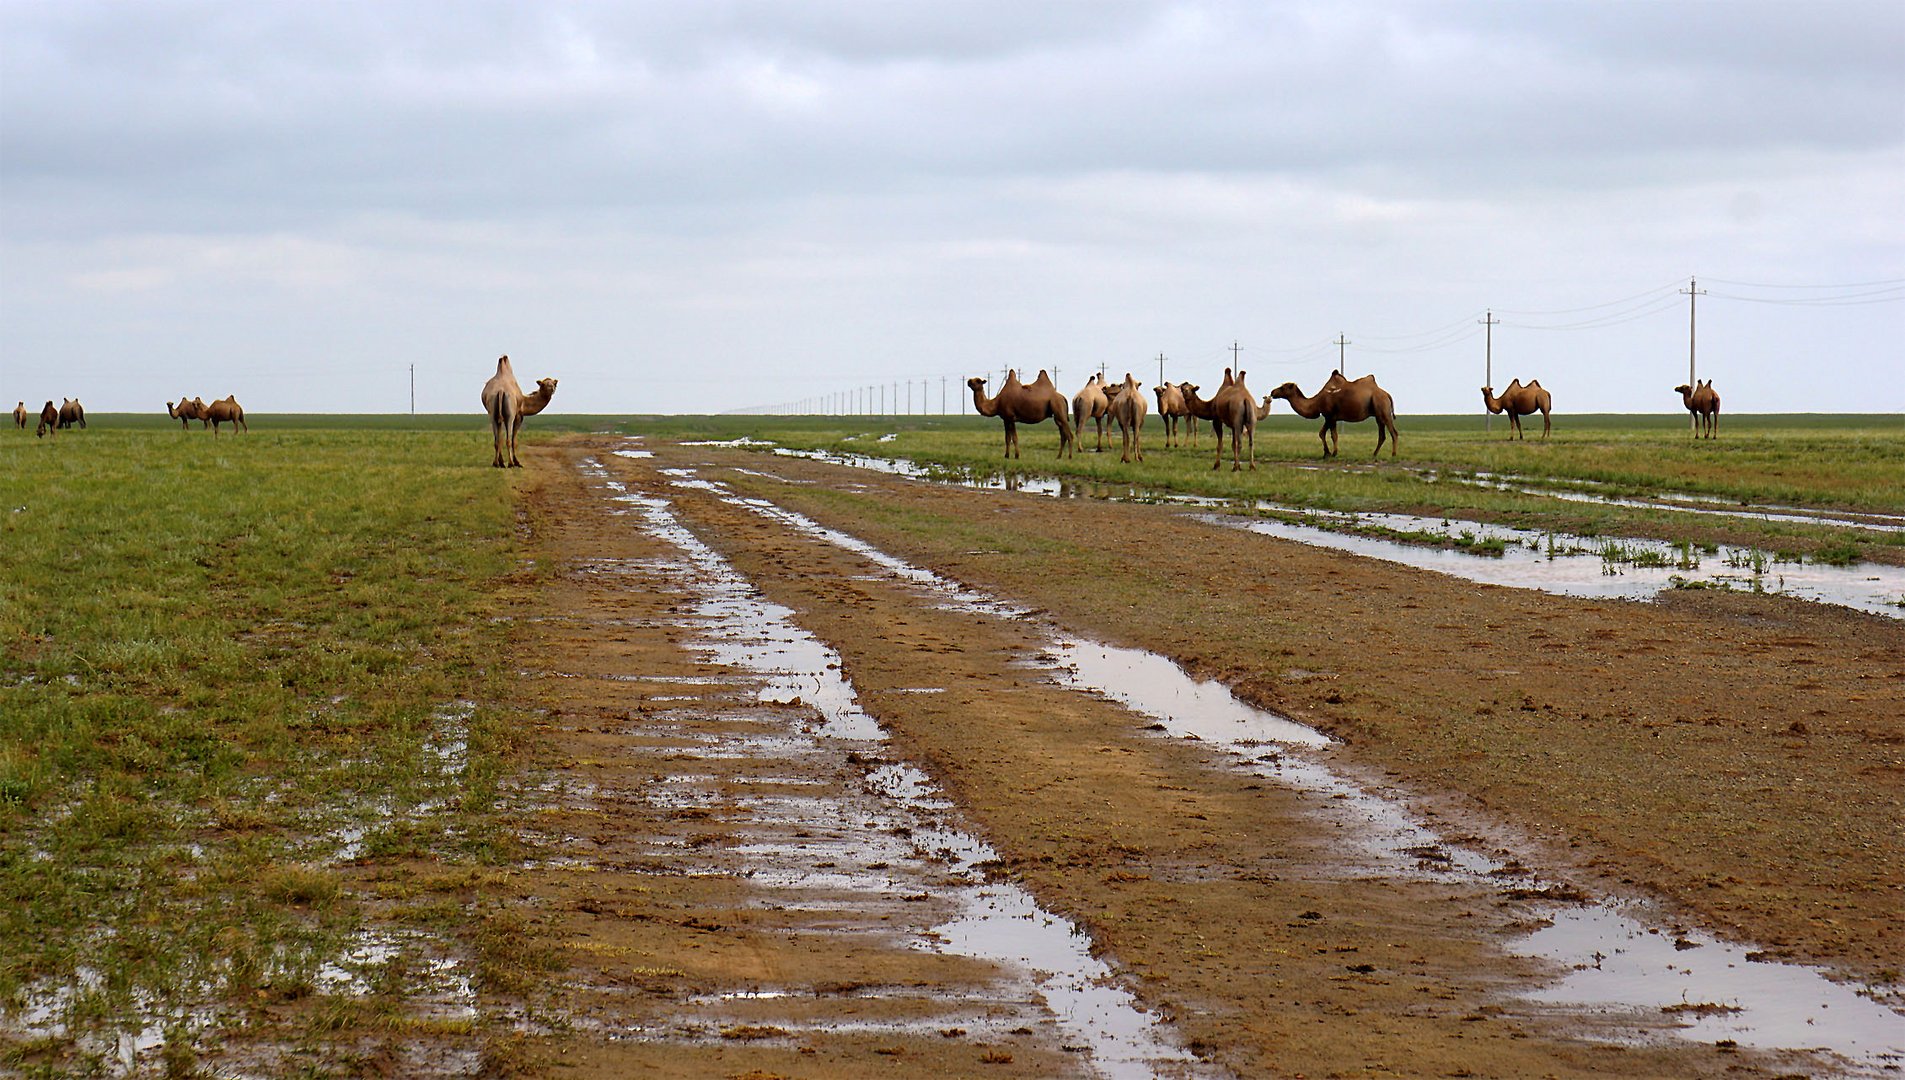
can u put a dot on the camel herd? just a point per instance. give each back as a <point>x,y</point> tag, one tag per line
<point>223,411</point>
<point>70,413</point>
<point>1340,400</point>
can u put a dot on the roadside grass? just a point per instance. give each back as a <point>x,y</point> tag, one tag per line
<point>236,677</point>
<point>1449,467</point>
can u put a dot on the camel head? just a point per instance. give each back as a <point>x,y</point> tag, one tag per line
<point>1287,391</point>
<point>976,384</point>
<point>546,387</point>
<point>1683,389</point>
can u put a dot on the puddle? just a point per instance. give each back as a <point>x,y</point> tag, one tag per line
<point>1608,949</point>
<point>1681,502</point>
<point>1558,563</point>
<point>851,860</point>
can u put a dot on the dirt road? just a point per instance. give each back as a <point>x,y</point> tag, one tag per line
<point>741,873</point>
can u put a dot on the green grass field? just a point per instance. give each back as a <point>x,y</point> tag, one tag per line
<point>235,682</point>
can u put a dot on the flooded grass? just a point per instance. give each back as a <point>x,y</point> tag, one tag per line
<point>222,683</point>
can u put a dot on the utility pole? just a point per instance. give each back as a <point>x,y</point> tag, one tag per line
<point>1693,293</point>
<point>1488,367</point>
<point>1341,341</point>
<point>413,390</point>
<point>1234,350</point>
<point>1160,369</point>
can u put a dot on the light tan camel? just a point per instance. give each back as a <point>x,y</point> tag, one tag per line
<point>187,411</point>
<point>507,405</point>
<point>1017,403</point>
<point>1128,409</point>
<point>1349,402</point>
<point>19,416</point>
<point>1704,403</point>
<point>72,412</point>
<point>1171,409</point>
<point>1519,401</point>
<point>221,412</point>
<point>1094,404</point>
<point>49,421</point>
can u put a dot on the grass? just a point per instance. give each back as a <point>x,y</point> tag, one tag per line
<point>220,662</point>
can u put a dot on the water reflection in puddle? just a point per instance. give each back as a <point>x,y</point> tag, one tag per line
<point>1608,948</point>
<point>1559,563</point>
<point>846,854</point>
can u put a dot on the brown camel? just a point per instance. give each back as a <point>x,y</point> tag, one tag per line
<point>1233,407</point>
<point>1348,402</point>
<point>220,412</point>
<point>1171,409</point>
<point>1128,409</point>
<point>1094,404</point>
<point>507,405</point>
<point>1017,403</point>
<point>1519,401</point>
<point>19,416</point>
<point>187,411</point>
<point>71,412</point>
<point>1704,403</point>
<point>49,421</point>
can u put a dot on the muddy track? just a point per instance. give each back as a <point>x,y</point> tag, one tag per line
<point>718,910</point>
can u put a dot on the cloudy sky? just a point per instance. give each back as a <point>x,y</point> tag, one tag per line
<point>705,206</point>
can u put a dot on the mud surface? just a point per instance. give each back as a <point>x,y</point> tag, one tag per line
<point>750,863</point>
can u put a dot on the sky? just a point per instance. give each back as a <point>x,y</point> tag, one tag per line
<point>732,205</point>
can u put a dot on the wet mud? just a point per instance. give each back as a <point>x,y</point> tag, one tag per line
<point>795,797</point>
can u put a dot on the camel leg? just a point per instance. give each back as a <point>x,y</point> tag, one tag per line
<point>1011,439</point>
<point>515,426</point>
<point>498,434</point>
<point>1546,425</point>
<point>1067,437</point>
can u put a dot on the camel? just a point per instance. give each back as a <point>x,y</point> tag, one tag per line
<point>507,405</point>
<point>220,412</point>
<point>1704,403</point>
<point>49,421</point>
<point>1017,403</point>
<point>19,416</point>
<point>1348,402</point>
<point>1171,409</point>
<point>71,412</point>
<point>1092,403</point>
<point>1234,407</point>
<point>1128,409</point>
<point>187,411</point>
<point>1519,401</point>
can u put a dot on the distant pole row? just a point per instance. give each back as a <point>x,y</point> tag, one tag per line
<point>873,399</point>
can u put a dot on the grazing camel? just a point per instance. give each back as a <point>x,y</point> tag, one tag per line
<point>1128,409</point>
<point>1171,409</point>
<point>1704,403</point>
<point>1092,403</point>
<point>72,412</point>
<point>1348,402</point>
<point>220,412</point>
<point>19,416</point>
<point>1017,403</point>
<point>507,405</point>
<point>1519,401</point>
<point>187,411</point>
<point>49,421</point>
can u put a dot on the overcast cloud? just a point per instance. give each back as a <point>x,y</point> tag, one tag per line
<point>711,205</point>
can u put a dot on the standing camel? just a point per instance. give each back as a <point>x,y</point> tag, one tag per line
<point>49,421</point>
<point>1348,402</point>
<point>19,416</point>
<point>187,411</point>
<point>1017,403</point>
<point>220,412</point>
<point>1519,401</point>
<point>507,405</point>
<point>1234,407</point>
<point>72,412</point>
<point>1091,403</point>
<point>1128,408</point>
<point>1704,403</point>
<point>1171,409</point>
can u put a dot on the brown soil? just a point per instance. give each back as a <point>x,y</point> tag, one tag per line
<point>1737,757</point>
